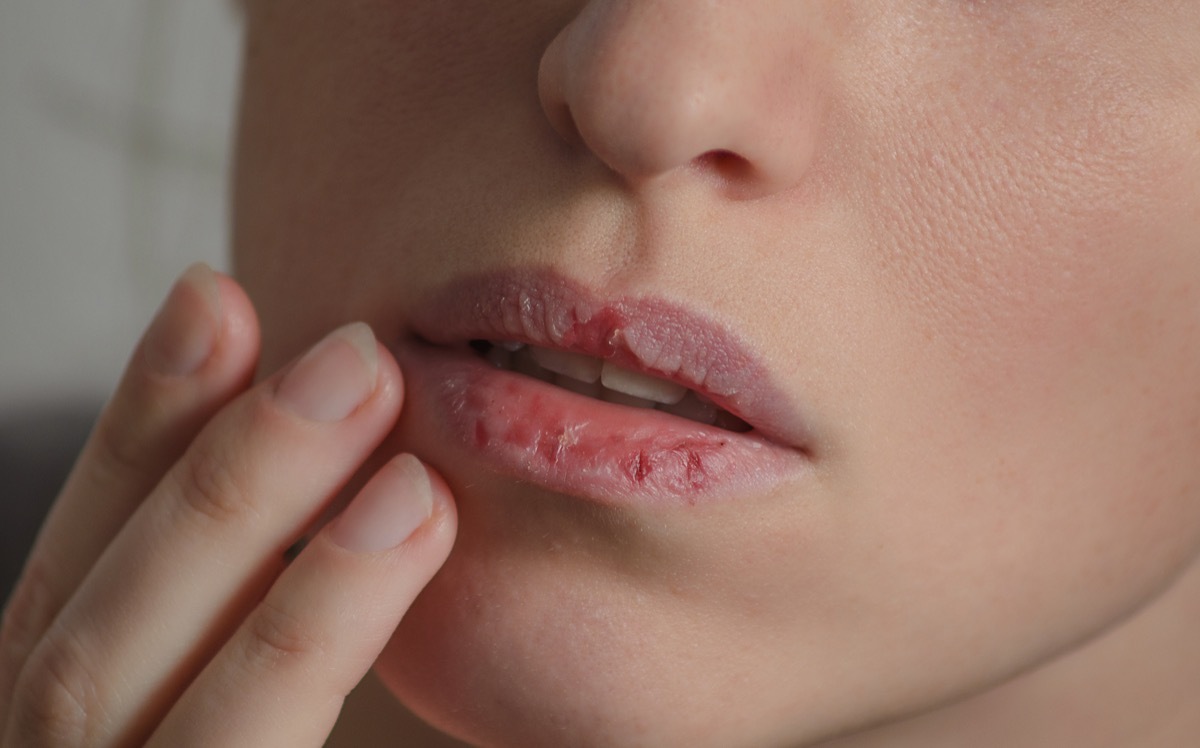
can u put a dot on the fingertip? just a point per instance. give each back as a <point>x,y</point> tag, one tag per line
<point>389,509</point>
<point>204,334</point>
<point>183,335</point>
<point>405,499</point>
<point>445,509</point>
<point>390,382</point>
<point>438,533</point>
<point>240,336</point>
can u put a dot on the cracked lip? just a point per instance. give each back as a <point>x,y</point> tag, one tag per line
<point>529,430</point>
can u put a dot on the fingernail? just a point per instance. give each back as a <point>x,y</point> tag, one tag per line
<point>184,331</point>
<point>393,504</point>
<point>333,378</point>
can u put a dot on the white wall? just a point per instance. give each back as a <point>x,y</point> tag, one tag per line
<point>114,129</point>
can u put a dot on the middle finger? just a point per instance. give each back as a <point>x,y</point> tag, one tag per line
<point>180,575</point>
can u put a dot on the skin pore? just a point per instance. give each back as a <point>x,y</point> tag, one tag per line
<point>962,236</point>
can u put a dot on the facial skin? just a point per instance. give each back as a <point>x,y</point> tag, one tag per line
<point>964,238</point>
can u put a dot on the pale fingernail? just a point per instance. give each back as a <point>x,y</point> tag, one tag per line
<point>184,331</point>
<point>393,504</point>
<point>333,378</point>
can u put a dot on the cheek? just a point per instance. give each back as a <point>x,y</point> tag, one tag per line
<point>1048,213</point>
<point>1037,409</point>
<point>1033,271</point>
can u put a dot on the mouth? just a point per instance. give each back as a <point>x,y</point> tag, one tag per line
<point>624,402</point>
<point>606,381</point>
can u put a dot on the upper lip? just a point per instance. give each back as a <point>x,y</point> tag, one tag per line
<point>542,307</point>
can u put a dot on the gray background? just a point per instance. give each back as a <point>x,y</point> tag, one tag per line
<point>114,123</point>
<point>114,130</point>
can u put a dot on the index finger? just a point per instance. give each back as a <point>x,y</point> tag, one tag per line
<point>283,676</point>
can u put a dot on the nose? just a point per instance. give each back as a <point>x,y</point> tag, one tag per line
<point>722,89</point>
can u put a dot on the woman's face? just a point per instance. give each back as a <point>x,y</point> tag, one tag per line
<point>942,255</point>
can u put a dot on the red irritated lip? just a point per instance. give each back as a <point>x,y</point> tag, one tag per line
<point>570,443</point>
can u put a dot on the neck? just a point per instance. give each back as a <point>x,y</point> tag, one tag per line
<point>1137,684</point>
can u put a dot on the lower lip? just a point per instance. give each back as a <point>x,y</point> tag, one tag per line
<point>572,444</point>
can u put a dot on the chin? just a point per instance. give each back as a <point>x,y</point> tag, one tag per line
<point>508,647</point>
<point>520,673</point>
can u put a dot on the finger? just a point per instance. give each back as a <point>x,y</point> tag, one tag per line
<point>200,550</point>
<point>196,355</point>
<point>283,677</point>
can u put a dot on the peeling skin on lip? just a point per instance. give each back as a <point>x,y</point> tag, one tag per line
<point>645,334</point>
<point>562,440</point>
<point>538,432</point>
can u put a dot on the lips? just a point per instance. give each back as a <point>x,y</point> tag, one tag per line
<point>481,350</point>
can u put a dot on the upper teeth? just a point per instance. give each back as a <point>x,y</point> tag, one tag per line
<point>605,380</point>
<point>588,369</point>
<point>641,385</point>
<point>573,365</point>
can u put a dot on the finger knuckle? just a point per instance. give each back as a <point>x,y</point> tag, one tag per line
<point>57,697</point>
<point>279,639</point>
<point>118,451</point>
<point>29,609</point>
<point>211,488</point>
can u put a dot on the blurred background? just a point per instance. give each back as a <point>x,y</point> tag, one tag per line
<point>115,121</point>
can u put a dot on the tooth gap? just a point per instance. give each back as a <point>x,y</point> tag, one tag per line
<point>480,346</point>
<point>730,422</point>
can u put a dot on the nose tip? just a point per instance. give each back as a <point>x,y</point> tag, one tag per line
<point>649,93</point>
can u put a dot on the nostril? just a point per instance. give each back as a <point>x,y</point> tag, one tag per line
<point>727,165</point>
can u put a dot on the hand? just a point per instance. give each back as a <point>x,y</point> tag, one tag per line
<point>156,604</point>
